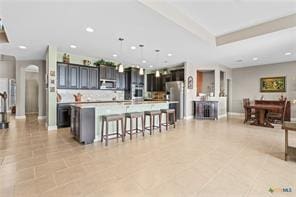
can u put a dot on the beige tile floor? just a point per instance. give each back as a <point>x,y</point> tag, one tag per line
<point>198,158</point>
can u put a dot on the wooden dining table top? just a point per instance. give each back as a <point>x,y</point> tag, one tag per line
<point>266,107</point>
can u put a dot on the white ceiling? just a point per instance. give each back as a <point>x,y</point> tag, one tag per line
<point>222,17</point>
<point>36,25</point>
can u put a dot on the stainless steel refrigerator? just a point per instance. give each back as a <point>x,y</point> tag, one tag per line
<point>175,89</point>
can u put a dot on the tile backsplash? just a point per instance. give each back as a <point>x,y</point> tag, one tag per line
<point>90,95</point>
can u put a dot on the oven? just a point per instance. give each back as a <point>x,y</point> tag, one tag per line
<point>137,91</point>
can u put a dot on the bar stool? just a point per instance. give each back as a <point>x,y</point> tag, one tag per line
<point>167,113</point>
<point>131,116</point>
<point>152,115</point>
<point>111,118</point>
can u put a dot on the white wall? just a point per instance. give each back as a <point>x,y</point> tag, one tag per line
<point>7,67</point>
<point>246,83</point>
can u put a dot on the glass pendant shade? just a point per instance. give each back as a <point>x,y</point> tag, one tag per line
<point>141,71</point>
<point>120,68</point>
<point>157,74</point>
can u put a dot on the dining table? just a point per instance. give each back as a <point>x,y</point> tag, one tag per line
<point>261,111</point>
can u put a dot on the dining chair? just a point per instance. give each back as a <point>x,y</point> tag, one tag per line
<point>273,116</point>
<point>249,113</point>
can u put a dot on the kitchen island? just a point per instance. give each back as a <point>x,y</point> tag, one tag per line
<point>86,118</point>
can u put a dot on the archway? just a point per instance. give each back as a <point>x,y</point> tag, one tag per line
<point>31,89</point>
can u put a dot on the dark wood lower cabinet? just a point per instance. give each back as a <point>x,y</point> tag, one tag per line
<point>83,124</point>
<point>204,110</point>
<point>63,115</point>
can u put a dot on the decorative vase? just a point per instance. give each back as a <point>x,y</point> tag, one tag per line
<point>66,58</point>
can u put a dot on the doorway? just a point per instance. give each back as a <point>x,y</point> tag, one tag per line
<point>228,96</point>
<point>31,89</point>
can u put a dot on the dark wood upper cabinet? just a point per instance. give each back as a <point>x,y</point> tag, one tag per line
<point>73,77</point>
<point>103,72</point>
<point>128,80</point>
<point>110,73</point>
<point>62,75</point>
<point>165,78</point>
<point>120,80</point>
<point>133,77</point>
<point>140,80</point>
<point>158,83</point>
<point>177,75</point>
<point>150,82</point>
<point>107,72</point>
<point>93,78</point>
<point>84,75</point>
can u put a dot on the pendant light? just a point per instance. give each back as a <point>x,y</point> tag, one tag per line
<point>157,73</point>
<point>141,71</point>
<point>120,67</point>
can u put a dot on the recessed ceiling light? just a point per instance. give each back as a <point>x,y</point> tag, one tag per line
<point>144,61</point>
<point>22,47</point>
<point>169,54</point>
<point>133,48</point>
<point>288,53</point>
<point>255,58</point>
<point>151,66</point>
<point>114,55</point>
<point>73,46</point>
<point>89,29</point>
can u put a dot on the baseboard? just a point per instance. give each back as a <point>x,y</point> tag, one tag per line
<point>20,117</point>
<point>41,117</point>
<point>222,116</point>
<point>31,113</point>
<point>52,128</point>
<point>188,117</point>
<point>235,113</point>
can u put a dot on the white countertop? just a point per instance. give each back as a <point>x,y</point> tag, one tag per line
<point>119,103</point>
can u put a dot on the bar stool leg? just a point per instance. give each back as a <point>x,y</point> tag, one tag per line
<point>102,131</point>
<point>122,130</point>
<point>167,121</point>
<point>174,116</point>
<point>286,144</point>
<point>137,124</point>
<point>143,125</point>
<point>153,120</point>
<point>131,128</point>
<point>107,131</point>
<point>151,124</point>
<point>125,121</point>
<point>117,128</point>
<point>159,122</point>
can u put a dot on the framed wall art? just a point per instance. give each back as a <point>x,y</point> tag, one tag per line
<point>273,84</point>
<point>190,82</point>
